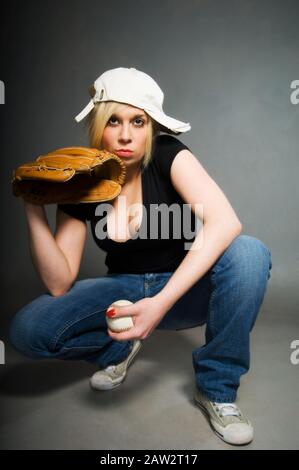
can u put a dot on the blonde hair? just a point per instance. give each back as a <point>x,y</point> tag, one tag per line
<point>100,115</point>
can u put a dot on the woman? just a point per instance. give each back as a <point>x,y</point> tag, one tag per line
<point>220,280</point>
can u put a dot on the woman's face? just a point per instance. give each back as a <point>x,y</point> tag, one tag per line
<point>126,130</point>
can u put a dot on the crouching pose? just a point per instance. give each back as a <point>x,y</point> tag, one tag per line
<point>217,277</point>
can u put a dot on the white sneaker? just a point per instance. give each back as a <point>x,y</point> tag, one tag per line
<point>114,375</point>
<point>226,419</point>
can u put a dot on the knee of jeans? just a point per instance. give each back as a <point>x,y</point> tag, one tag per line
<point>251,257</point>
<point>25,334</point>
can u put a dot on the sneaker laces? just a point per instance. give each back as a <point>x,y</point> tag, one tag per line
<point>227,409</point>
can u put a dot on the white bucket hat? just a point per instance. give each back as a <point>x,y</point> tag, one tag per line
<point>131,86</point>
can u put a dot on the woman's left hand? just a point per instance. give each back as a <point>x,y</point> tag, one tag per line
<point>147,314</point>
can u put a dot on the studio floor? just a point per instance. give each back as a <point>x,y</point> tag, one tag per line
<point>49,404</point>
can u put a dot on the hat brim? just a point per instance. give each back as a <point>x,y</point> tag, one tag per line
<point>174,125</point>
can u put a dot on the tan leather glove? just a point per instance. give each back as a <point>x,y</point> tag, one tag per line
<point>70,175</point>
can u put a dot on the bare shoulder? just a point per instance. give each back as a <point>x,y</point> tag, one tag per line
<point>197,188</point>
<point>187,172</point>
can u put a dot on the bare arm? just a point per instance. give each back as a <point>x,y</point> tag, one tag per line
<point>56,258</point>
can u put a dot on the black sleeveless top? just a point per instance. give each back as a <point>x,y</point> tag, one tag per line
<point>146,252</point>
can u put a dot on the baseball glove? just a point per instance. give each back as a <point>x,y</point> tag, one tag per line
<point>70,175</point>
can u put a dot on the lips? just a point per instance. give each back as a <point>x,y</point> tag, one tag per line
<point>123,153</point>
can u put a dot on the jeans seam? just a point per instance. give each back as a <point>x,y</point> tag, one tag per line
<point>55,339</point>
<point>60,332</point>
<point>33,349</point>
<point>211,309</point>
<point>81,347</point>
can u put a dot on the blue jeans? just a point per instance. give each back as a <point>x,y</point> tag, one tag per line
<point>227,298</point>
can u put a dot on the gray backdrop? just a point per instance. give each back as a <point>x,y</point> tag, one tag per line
<point>226,67</point>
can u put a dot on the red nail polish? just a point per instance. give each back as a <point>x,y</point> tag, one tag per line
<point>111,313</point>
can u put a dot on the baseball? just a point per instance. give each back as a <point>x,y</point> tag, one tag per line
<point>121,323</point>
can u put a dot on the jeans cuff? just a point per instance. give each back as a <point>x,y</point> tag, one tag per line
<point>220,398</point>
